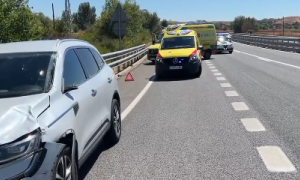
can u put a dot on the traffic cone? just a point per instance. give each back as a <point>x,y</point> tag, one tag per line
<point>129,77</point>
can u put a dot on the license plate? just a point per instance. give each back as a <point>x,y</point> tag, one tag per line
<point>175,67</point>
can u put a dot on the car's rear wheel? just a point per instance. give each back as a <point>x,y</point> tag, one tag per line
<point>207,55</point>
<point>114,134</point>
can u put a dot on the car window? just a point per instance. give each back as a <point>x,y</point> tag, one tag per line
<point>178,42</point>
<point>73,71</point>
<point>98,58</point>
<point>88,60</point>
<point>24,74</point>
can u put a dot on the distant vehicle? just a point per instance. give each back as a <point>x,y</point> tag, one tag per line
<point>224,45</point>
<point>58,99</point>
<point>206,33</point>
<point>153,49</point>
<point>180,52</point>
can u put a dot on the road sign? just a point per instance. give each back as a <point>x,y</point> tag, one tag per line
<point>119,15</point>
<point>119,19</point>
<point>120,29</point>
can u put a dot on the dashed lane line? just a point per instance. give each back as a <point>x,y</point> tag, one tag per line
<point>221,79</point>
<point>240,106</point>
<point>231,93</point>
<point>217,74</point>
<point>275,159</point>
<point>253,125</point>
<point>225,85</point>
<point>212,67</point>
<point>214,70</point>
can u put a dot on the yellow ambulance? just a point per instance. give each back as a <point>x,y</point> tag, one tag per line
<point>206,33</point>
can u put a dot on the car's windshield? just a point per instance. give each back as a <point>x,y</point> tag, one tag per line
<point>178,42</point>
<point>24,73</point>
<point>159,38</point>
<point>221,39</point>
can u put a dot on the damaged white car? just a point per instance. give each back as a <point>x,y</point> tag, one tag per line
<point>224,44</point>
<point>58,99</point>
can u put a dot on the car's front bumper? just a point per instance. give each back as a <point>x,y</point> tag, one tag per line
<point>162,68</point>
<point>38,166</point>
<point>151,57</point>
<point>222,48</point>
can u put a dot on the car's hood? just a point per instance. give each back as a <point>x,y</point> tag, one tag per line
<point>170,53</point>
<point>154,46</point>
<point>18,116</point>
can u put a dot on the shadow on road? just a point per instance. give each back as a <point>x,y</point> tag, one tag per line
<point>149,63</point>
<point>174,77</point>
<point>89,163</point>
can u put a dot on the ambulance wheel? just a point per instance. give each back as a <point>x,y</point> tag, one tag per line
<point>207,55</point>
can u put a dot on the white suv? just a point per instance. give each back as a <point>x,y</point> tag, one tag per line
<point>58,98</point>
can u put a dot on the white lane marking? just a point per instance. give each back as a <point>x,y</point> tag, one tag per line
<point>237,51</point>
<point>221,79</point>
<point>239,106</point>
<point>210,64</point>
<point>275,159</point>
<point>214,70</point>
<point>267,49</point>
<point>217,74</point>
<point>135,101</point>
<point>207,62</point>
<point>212,67</point>
<point>270,60</point>
<point>231,93</point>
<point>253,125</point>
<point>225,85</point>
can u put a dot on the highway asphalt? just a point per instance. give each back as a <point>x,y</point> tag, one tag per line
<point>239,120</point>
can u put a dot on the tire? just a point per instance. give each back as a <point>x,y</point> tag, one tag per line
<point>198,74</point>
<point>60,168</point>
<point>230,52</point>
<point>114,133</point>
<point>207,55</point>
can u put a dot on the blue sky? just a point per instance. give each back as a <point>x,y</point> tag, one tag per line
<point>190,10</point>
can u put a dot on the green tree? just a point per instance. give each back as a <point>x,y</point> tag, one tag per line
<point>15,20</point>
<point>164,23</point>
<point>242,24</point>
<point>85,16</point>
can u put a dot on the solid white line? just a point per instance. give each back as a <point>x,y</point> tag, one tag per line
<point>270,60</point>
<point>217,74</point>
<point>135,101</point>
<point>253,125</point>
<point>220,78</point>
<point>214,70</point>
<point>225,85</point>
<point>231,93</point>
<point>212,67</point>
<point>239,106</point>
<point>275,159</point>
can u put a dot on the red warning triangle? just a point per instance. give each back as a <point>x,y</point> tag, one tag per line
<point>129,77</point>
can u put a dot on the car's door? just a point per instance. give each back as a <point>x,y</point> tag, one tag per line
<point>97,85</point>
<point>74,75</point>
<point>106,75</point>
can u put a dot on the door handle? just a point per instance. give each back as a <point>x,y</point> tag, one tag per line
<point>109,80</point>
<point>94,93</point>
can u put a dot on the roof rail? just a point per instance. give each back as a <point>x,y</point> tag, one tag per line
<point>67,40</point>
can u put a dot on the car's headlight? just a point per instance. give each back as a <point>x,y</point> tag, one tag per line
<point>158,59</point>
<point>21,147</point>
<point>194,58</point>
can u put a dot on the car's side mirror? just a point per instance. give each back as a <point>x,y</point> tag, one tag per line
<point>200,47</point>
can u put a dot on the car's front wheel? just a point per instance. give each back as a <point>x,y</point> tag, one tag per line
<point>114,134</point>
<point>63,167</point>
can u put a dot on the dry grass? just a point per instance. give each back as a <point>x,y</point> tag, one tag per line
<point>290,20</point>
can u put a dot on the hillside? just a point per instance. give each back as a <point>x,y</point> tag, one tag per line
<point>287,20</point>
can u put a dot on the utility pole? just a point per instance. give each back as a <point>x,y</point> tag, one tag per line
<point>283,25</point>
<point>53,16</point>
<point>68,15</point>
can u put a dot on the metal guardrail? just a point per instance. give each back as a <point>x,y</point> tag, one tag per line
<point>282,43</point>
<point>120,60</point>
